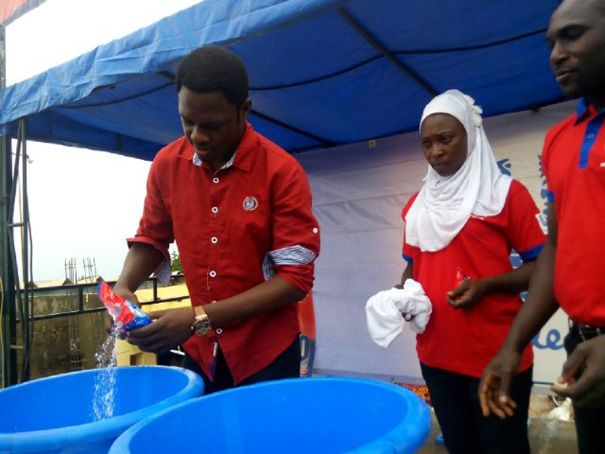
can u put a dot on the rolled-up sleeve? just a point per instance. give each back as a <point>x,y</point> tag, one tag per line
<point>296,237</point>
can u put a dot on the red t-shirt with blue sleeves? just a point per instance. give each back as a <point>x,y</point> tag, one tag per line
<point>573,161</point>
<point>464,341</point>
<point>234,228</point>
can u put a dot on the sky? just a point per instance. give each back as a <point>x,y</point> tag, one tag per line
<point>83,203</point>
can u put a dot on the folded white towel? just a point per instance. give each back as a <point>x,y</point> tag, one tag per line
<point>384,312</point>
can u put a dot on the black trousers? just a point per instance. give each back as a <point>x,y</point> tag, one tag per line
<point>465,429</point>
<point>590,422</point>
<point>286,365</point>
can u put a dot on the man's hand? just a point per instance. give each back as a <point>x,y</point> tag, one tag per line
<point>468,293</point>
<point>169,329</point>
<point>589,389</point>
<point>130,296</point>
<point>125,293</point>
<point>494,387</point>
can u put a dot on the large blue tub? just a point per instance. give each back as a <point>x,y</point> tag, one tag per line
<point>54,414</point>
<point>311,415</point>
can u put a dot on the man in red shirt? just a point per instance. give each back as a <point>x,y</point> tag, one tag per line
<point>239,208</point>
<point>569,272</point>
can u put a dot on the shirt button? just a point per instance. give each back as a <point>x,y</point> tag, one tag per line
<point>214,240</point>
<point>219,331</point>
<point>590,136</point>
<point>214,210</point>
<point>212,273</point>
<point>215,180</point>
<point>315,230</point>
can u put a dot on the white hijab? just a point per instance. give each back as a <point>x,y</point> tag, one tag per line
<point>444,204</point>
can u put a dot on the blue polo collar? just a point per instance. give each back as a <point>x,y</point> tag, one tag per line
<point>583,109</point>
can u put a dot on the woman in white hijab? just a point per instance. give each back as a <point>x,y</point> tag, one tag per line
<point>460,229</point>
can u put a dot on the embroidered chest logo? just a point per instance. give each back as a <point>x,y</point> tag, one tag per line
<point>250,203</point>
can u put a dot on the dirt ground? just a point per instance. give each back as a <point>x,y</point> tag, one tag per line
<point>551,429</point>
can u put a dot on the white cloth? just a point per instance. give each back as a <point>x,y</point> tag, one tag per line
<point>445,204</point>
<point>384,312</point>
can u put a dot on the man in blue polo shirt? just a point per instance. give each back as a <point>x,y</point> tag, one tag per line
<point>570,271</point>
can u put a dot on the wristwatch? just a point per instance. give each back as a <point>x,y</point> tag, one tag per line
<point>201,323</point>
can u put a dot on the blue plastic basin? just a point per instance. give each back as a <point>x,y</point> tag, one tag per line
<point>54,414</point>
<point>309,415</point>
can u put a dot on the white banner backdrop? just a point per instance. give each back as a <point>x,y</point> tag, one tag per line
<point>358,193</point>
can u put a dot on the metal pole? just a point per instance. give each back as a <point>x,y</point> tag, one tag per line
<point>25,258</point>
<point>8,358</point>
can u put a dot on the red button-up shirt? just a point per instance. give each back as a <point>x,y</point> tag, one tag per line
<point>234,228</point>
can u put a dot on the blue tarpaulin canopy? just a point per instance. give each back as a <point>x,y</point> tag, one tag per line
<point>322,72</point>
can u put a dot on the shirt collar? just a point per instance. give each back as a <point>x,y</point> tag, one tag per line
<point>242,155</point>
<point>197,161</point>
<point>584,110</point>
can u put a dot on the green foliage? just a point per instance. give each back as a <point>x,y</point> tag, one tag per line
<point>176,262</point>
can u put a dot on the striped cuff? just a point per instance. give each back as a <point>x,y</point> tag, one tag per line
<point>163,272</point>
<point>291,255</point>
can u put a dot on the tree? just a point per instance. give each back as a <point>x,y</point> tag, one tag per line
<point>175,262</point>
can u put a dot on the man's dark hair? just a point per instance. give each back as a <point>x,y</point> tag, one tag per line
<point>213,68</point>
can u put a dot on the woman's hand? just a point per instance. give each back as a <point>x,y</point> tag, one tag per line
<point>468,293</point>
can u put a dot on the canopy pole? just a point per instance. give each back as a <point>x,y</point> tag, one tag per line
<point>26,259</point>
<point>8,357</point>
<point>373,41</point>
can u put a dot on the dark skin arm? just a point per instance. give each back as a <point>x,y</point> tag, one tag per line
<point>408,272</point>
<point>470,291</point>
<point>172,327</point>
<point>141,260</point>
<point>494,387</point>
